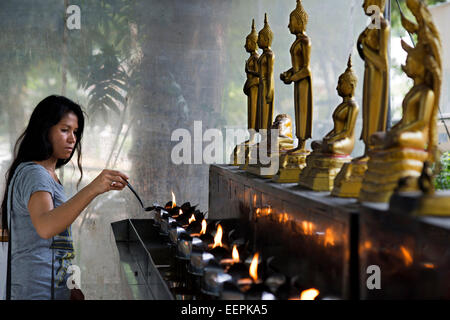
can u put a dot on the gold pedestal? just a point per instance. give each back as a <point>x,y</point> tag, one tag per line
<point>321,170</point>
<point>244,166</point>
<point>291,165</point>
<point>259,170</point>
<point>348,182</point>
<point>437,204</point>
<point>420,204</point>
<point>385,168</point>
<point>240,152</point>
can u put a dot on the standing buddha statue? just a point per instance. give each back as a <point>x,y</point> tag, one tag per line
<point>252,83</point>
<point>372,47</point>
<point>265,99</point>
<point>293,161</point>
<point>266,83</point>
<point>241,152</point>
<point>400,153</point>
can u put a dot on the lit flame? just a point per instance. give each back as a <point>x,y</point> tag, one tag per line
<point>283,218</point>
<point>329,237</point>
<point>254,267</point>
<point>258,212</point>
<point>218,237</point>
<point>180,212</point>
<point>235,254</point>
<point>307,227</point>
<point>428,265</point>
<point>174,204</point>
<point>407,258</point>
<point>191,219</point>
<point>309,294</point>
<point>203,231</point>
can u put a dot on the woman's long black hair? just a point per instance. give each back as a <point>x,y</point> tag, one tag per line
<point>34,144</point>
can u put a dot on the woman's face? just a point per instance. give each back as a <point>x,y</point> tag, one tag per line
<point>62,136</point>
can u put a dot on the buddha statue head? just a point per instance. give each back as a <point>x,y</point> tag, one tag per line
<point>265,36</point>
<point>283,123</point>
<point>251,42</point>
<point>414,67</point>
<point>379,3</point>
<point>347,81</point>
<point>298,19</point>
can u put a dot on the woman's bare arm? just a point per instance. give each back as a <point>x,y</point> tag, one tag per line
<point>49,221</point>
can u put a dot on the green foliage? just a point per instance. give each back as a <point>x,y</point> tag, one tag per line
<point>443,178</point>
<point>97,55</point>
<point>107,82</point>
<point>105,44</point>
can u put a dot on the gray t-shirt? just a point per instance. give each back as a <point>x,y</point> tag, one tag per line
<point>31,255</point>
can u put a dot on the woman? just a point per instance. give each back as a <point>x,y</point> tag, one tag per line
<point>35,206</point>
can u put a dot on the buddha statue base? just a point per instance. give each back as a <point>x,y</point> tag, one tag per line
<point>239,152</point>
<point>284,141</point>
<point>268,170</point>
<point>240,156</point>
<point>262,170</point>
<point>420,204</point>
<point>348,182</point>
<point>244,166</point>
<point>321,170</point>
<point>386,167</point>
<point>291,165</point>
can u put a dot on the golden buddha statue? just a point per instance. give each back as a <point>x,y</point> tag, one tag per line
<point>401,152</point>
<point>372,47</point>
<point>265,99</point>
<point>282,127</point>
<point>240,153</point>
<point>293,161</point>
<point>426,201</point>
<point>252,83</point>
<point>283,123</point>
<point>330,154</point>
<point>266,83</point>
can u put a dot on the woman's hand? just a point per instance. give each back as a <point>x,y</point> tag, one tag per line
<point>108,180</point>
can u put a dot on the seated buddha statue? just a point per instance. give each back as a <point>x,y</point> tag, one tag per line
<point>401,152</point>
<point>282,127</point>
<point>341,139</point>
<point>330,153</point>
<point>283,123</point>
